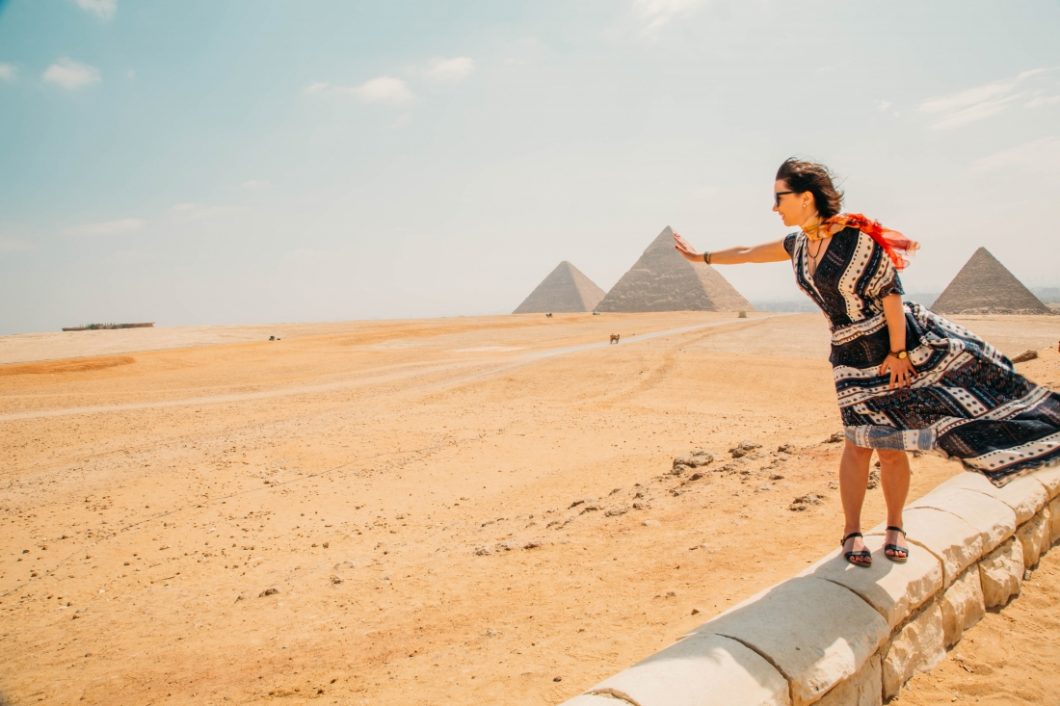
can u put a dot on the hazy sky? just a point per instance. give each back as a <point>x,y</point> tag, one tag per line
<point>213,161</point>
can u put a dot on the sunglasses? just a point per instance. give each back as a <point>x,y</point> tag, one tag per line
<point>778,194</point>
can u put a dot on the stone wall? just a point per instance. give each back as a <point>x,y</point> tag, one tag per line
<point>841,635</point>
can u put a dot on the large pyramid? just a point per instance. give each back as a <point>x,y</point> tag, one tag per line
<point>565,289</point>
<point>985,286</point>
<point>662,280</point>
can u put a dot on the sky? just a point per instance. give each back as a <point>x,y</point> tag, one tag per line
<point>228,162</point>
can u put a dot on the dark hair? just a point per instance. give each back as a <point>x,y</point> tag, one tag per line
<point>803,176</point>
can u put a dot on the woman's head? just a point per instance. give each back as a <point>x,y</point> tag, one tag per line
<point>810,190</point>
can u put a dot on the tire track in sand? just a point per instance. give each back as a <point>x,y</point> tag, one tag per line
<point>490,370</point>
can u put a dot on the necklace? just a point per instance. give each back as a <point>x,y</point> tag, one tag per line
<point>814,254</point>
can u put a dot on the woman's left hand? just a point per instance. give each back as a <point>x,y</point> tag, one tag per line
<point>687,251</point>
<point>901,371</point>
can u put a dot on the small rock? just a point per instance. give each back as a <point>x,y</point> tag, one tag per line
<point>616,511</point>
<point>1026,574</point>
<point>695,476</point>
<point>483,551</point>
<point>874,479</point>
<point>695,611</point>
<point>557,678</point>
<point>1025,356</point>
<point>835,438</point>
<point>775,476</point>
<point>679,468</point>
<point>743,448</point>
<point>786,449</point>
<point>336,580</point>
<point>804,501</point>
<point>268,592</point>
<point>576,503</point>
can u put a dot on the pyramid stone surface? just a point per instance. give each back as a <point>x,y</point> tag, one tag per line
<point>985,286</point>
<point>662,280</point>
<point>565,289</point>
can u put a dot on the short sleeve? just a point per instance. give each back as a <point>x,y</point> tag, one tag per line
<point>789,244</point>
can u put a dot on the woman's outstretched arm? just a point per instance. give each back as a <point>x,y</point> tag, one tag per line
<point>766,252</point>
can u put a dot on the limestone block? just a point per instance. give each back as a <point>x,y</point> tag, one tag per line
<point>951,539</point>
<point>863,689</point>
<point>917,647</point>
<point>1054,521</point>
<point>1047,536</point>
<point>961,605</point>
<point>1050,478</point>
<point>596,700</point>
<point>1031,536</point>
<point>895,590</point>
<point>1001,573</point>
<point>1024,495</point>
<point>995,520</point>
<point>701,670</point>
<point>817,633</point>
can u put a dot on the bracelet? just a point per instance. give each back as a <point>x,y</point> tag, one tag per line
<point>706,257</point>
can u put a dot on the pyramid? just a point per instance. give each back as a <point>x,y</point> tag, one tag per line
<point>662,280</point>
<point>985,286</point>
<point>565,289</point>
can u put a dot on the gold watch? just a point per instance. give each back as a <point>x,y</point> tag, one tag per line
<point>900,355</point>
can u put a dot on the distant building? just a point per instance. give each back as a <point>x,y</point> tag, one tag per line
<point>662,280</point>
<point>565,289</point>
<point>985,286</point>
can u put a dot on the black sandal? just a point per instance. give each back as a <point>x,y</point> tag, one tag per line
<point>895,552</point>
<point>862,557</point>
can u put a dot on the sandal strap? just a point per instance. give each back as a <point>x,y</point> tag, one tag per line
<point>852,534</point>
<point>892,528</point>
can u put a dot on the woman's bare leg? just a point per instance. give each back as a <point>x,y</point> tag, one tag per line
<point>894,477</point>
<point>853,478</point>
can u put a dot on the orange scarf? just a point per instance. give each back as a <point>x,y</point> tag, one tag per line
<point>896,245</point>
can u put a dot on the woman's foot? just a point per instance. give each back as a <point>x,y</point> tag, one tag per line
<point>854,550</point>
<point>892,550</point>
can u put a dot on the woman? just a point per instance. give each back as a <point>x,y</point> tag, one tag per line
<point>907,379</point>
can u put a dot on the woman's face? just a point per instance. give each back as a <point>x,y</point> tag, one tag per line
<point>791,206</point>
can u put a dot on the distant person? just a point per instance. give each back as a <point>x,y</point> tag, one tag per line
<point>907,379</point>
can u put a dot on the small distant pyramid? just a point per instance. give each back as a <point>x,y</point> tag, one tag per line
<point>662,280</point>
<point>565,289</point>
<point>985,286</point>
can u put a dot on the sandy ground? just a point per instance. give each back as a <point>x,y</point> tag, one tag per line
<point>451,511</point>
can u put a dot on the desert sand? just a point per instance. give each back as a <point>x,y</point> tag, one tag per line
<point>449,511</point>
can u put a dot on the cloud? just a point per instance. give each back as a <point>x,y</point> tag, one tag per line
<point>192,211</point>
<point>1041,155</point>
<point>7,72</point>
<point>8,245</point>
<point>981,102</point>
<point>103,9</point>
<point>454,69</point>
<point>653,15</point>
<point>384,89</point>
<point>117,227</point>
<point>255,184</point>
<point>71,75</point>
<point>1039,99</point>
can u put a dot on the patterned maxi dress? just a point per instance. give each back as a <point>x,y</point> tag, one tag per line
<point>966,399</point>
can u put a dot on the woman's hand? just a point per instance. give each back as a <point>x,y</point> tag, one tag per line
<point>687,251</point>
<point>901,370</point>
